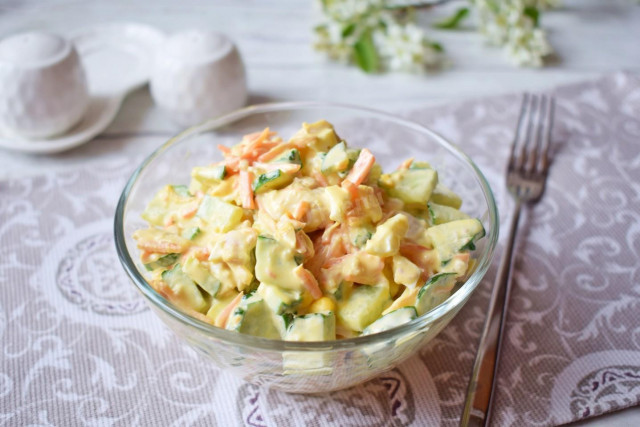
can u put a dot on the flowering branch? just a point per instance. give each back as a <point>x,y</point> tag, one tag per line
<point>382,35</point>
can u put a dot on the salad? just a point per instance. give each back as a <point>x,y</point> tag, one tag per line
<point>306,239</point>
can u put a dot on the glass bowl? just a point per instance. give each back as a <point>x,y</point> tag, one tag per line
<point>306,367</point>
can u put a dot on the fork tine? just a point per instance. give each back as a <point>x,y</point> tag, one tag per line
<point>532,164</point>
<point>513,159</point>
<point>546,142</point>
<point>524,155</point>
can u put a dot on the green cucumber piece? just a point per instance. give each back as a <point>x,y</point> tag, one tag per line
<point>336,159</point>
<point>271,180</point>
<point>163,261</point>
<point>453,237</point>
<point>209,173</point>
<point>190,233</point>
<point>221,215</point>
<point>310,327</point>
<point>200,274</point>
<point>185,289</point>
<point>413,186</point>
<point>363,306</point>
<point>391,320</point>
<point>253,317</point>
<point>441,214</point>
<point>275,263</point>
<point>444,196</point>
<point>420,165</point>
<point>181,190</point>
<point>360,235</point>
<point>434,292</point>
<point>289,156</point>
<point>279,300</point>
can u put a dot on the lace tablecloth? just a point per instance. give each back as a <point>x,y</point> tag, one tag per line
<point>79,346</point>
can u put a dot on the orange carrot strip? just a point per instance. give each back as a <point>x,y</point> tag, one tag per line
<point>334,261</point>
<point>232,163</point>
<point>225,150</point>
<point>273,152</point>
<point>406,164</point>
<point>145,256</point>
<point>301,210</point>
<point>309,281</point>
<point>361,167</point>
<point>254,143</point>
<point>246,191</point>
<point>200,252</point>
<point>351,188</point>
<point>320,179</point>
<point>222,318</point>
<point>464,256</point>
<point>169,221</point>
<point>189,211</point>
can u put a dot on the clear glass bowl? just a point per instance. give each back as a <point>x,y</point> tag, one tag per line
<point>306,367</point>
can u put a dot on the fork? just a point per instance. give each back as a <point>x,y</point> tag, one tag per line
<point>526,176</point>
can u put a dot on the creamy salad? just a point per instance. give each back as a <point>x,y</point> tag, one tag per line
<point>306,239</point>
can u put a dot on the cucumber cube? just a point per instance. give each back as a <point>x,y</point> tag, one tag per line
<point>221,215</point>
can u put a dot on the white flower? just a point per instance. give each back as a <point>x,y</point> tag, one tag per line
<point>348,10</point>
<point>328,38</point>
<point>527,47</point>
<point>405,48</point>
<point>505,23</point>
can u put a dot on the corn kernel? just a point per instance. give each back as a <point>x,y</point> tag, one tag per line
<point>322,305</point>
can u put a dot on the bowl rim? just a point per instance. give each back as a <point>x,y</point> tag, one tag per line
<point>454,301</point>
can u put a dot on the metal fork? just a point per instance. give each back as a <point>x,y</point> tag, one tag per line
<point>526,175</point>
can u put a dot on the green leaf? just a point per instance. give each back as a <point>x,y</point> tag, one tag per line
<point>436,46</point>
<point>365,53</point>
<point>533,13</point>
<point>348,30</point>
<point>454,20</point>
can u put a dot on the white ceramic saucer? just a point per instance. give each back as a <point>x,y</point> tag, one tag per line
<point>117,59</point>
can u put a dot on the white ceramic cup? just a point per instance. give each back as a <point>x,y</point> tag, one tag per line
<point>198,75</point>
<point>43,88</point>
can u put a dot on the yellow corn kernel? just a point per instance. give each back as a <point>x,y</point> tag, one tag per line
<point>322,305</point>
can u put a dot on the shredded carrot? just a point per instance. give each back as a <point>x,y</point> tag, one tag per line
<point>189,211</point>
<point>225,150</point>
<point>301,210</point>
<point>246,191</point>
<point>334,261</point>
<point>232,164</point>
<point>361,168</point>
<point>169,221</point>
<point>201,252</point>
<point>320,179</point>
<point>198,315</point>
<point>309,281</point>
<point>249,151</point>
<point>144,256</point>
<point>222,318</point>
<point>420,256</point>
<point>406,164</point>
<point>463,256</point>
<point>379,195</point>
<point>352,189</point>
<point>273,152</point>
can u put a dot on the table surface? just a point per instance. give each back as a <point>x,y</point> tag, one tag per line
<point>274,37</point>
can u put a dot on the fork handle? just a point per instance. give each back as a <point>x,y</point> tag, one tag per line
<point>478,400</point>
